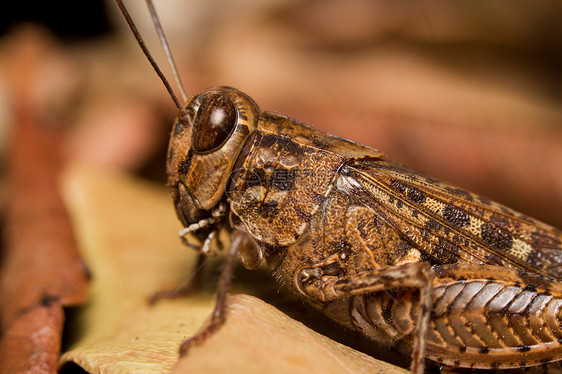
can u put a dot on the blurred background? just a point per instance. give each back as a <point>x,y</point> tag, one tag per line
<point>469,92</point>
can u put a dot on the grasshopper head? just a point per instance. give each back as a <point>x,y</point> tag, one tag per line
<point>204,145</point>
<point>206,139</point>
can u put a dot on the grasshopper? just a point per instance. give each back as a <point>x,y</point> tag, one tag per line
<point>405,259</point>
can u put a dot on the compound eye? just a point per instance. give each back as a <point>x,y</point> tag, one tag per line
<point>214,121</point>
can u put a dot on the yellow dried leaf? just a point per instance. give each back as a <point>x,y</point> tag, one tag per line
<point>127,231</point>
<point>258,338</point>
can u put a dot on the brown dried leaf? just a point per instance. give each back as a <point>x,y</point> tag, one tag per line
<point>31,344</point>
<point>128,232</point>
<point>41,268</point>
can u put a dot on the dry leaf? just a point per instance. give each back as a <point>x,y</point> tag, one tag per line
<point>128,235</point>
<point>260,339</point>
<point>41,269</point>
<point>128,232</point>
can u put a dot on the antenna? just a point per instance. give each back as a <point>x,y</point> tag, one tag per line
<point>155,66</point>
<point>166,47</point>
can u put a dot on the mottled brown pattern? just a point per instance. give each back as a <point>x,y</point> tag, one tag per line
<point>406,259</point>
